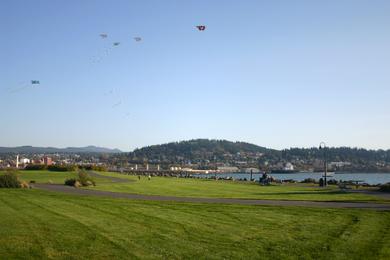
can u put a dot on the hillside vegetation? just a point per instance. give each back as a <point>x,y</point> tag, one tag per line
<point>199,149</point>
<point>204,151</point>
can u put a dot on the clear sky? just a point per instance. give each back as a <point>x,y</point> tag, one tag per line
<point>275,73</point>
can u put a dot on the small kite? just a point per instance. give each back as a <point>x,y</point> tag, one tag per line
<point>116,43</point>
<point>137,39</point>
<point>103,35</point>
<point>23,86</point>
<point>201,27</point>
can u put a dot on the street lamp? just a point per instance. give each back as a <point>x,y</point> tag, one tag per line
<point>323,147</point>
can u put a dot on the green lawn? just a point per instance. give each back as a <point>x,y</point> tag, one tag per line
<point>227,189</point>
<point>39,225</point>
<point>46,176</point>
<point>206,188</point>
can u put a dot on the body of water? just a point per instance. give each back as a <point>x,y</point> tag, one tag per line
<point>370,178</point>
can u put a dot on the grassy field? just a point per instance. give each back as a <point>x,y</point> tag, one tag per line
<point>38,224</point>
<point>46,176</point>
<point>206,188</point>
<point>227,189</point>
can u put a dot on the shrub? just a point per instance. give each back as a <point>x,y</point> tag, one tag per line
<point>61,168</point>
<point>385,187</point>
<point>9,180</point>
<point>85,179</point>
<point>70,182</point>
<point>309,180</point>
<point>32,181</point>
<point>35,167</point>
<point>24,185</point>
<point>99,168</point>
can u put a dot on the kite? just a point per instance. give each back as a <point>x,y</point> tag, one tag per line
<point>24,85</point>
<point>116,43</point>
<point>201,27</point>
<point>103,35</point>
<point>137,39</point>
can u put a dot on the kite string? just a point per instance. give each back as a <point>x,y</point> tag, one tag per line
<point>105,53</point>
<point>23,86</point>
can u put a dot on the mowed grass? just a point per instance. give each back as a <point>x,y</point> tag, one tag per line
<point>43,225</point>
<point>45,176</point>
<point>183,187</point>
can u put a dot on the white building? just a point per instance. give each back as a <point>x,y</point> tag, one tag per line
<point>289,167</point>
<point>228,169</point>
<point>24,161</point>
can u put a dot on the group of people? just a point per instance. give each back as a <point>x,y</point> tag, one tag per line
<point>265,179</point>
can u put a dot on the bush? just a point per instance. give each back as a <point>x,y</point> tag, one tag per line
<point>9,180</point>
<point>98,168</point>
<point>385,187</point>
<point>35,167</point>
<point>309,180</point>
<point>61,168</point>
<point>83,179</point>
<point>70,182</point>
<point>24,185</point>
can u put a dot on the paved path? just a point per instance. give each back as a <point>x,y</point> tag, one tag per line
<point>353,205</point>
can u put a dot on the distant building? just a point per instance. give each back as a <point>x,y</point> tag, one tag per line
<point>24,161</point>
<point>339,164</point>
<point>37,161</point>
<point>253,170</point>
<point>289,167</point>
<point>47,161</point>
<point>173,168</point>
<point>228,169</point>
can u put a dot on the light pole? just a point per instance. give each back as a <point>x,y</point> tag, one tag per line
<point>323,147</point>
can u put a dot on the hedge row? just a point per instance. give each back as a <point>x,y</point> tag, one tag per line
<point>64,168</point>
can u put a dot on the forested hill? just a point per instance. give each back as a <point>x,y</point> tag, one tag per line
<point>226,151</point>
<point>197,149</point>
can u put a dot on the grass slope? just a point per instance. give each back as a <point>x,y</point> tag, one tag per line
<point>40,225</point>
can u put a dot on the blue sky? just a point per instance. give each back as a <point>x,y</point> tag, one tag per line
<point>275,73</point>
